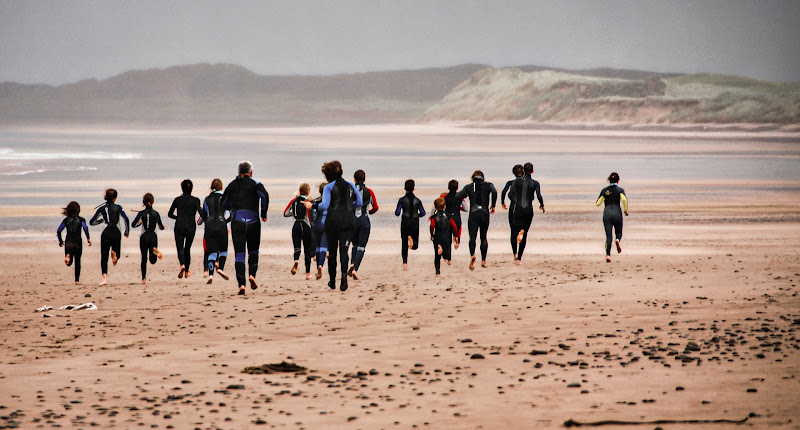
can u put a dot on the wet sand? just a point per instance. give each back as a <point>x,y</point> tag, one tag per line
<point>697,319</point>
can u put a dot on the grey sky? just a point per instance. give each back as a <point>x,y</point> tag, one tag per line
<point>55,42</point>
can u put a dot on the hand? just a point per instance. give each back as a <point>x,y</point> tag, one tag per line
<point>263,220</point>
<point>626,213</point>
<point>89,241</point>
<point>505,207</point>
<point>61,245</point>
<point>542,208</point>
<point>431,238</point>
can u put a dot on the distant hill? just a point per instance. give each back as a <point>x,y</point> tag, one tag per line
<point>610,97</point>
<point>226,94</point>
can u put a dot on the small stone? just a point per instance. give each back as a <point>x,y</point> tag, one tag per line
<point>476,357</point>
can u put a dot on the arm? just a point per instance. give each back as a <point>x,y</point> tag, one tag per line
<point>374,202</point>
<point>158,220</point>
<point>97,219</point>
<point>202,218</point>
<point>624,200</point>
<point>503,194</point>
<point>288,211</point>
<point>326,197</point>
<point>399,209</point>
<point>201,209</point>
<point>433,227</point>
<point>173,208</point>
<point>600,200</point>
<point>421,209</point>
<point>137,220</point>
<point>58,233</point>
<point>455,230</point>
<point>127,221</point>
<point>359,200</point>
<point>86,230</point>
<point>226,201</point>
<point>463,206</point>
<point>462,194</point>
<point>493,191</point>
<point>263,195</point>
<point>538,190</point>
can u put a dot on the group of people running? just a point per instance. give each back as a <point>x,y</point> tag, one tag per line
<point>323,227</point>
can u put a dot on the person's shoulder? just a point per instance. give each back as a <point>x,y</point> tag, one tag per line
<point>620,189</point>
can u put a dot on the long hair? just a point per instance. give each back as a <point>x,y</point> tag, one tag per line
<point>72,209</point>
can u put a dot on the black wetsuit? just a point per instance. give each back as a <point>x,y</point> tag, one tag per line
<point>443,228</point>
<point>362,224</point>
<point>613,196</point>
<point>111,238</point>
<point>242,197</point>
<point>523,190</point>
<point>73,245</point>
<point>511,204</point>
<point>187,206</point>
<point>339,200</point>
<point>411,209</point>
<point>302,234</point>
<point>320,238</point>
<point>216,232</point>
<point>149,220</point>
<point>481,195</point>
<point>453,208</point>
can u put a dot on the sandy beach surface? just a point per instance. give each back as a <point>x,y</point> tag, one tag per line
<point>697,319</point>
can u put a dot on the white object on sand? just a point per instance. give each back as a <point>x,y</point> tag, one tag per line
<point>44,308</point>
<point>84,307</point>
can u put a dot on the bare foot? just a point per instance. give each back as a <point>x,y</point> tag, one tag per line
<point>105,279</point>
<point>222,274</point>
<point>114,258</point>
<point>144,281</point>
<point>355,275</point>
<point>350,270</point>
<point>405,266</point>
<point>253,284</point>
<point>77,282</point>
<point>210,279</point>
<point>439,249</point>
<point>518,262</point>
<point>520,235</point>
<point>309,276</point>
<point>66,259</point>
<point>410,242</point>
<point>158,253</point>
<point>319,273</point>
<point>241,290</point>
<point>449,262</point>
<point>205,273</point>
<point>188,273</point>
<point>483,264</point>
<point>472,263</point>
<point>619,246</point>
<point>437,275</point>
<point>183,270</point>
<point>294,267</point>
<point>608,258</point>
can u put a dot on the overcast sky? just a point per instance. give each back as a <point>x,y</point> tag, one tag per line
<point>61,41</point>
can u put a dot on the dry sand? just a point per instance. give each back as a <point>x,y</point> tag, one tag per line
<point>697,319</point>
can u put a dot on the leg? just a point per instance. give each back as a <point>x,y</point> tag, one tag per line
<point>344,256</point>
<point>308,250</point>
<point>404,234</point>
<point>143,245</point>
<point>76,258</point>
<point>222,245</point>
<point>360,243</point>
<point>105,247</point>
<point>618,232</point>
<point>180,238</point>
<point>209,256</point>
<point>514,230</point>
<point>238,233</point>
<point>415,233</point>
<point>333,248</point>
<point>187,250</point>
<point>472,226</point>
<point>524,225</point>
<point>437,258</point>
<point>297,241</point>
<point>608,225</point>
<point>484,227</point>
<point>253,244</point>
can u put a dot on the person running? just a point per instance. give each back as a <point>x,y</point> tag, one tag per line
<point>187,206</point>
<point>411,209</point>
<point>517,170</point>
<point>522,193</point>
<point>616,203</point>
<point>454,207</point>
<point>320,238</point>
<point>480,207</point>
<point>148,241</point>
<point>242,198</point>
<point>215,236</point>
<point>109,213</point>
<point>443,232</point>
<point>302,236</point>
<point>362,223</point>
<point>339,200</point>
<point>73,245</point>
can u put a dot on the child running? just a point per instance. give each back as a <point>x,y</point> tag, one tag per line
<point>614,197</point>
<point>443,232</point>
<point>215,237</point>
<point>148,241</point>
<point>411,210</point>
<point>300,209</point>
<point>321,239</point>
<point>186,207</point>
<point>110,240</point>
<point>363,224</point>
<point>73,245</point>
<point>454,207</point>
<point>339,200</point>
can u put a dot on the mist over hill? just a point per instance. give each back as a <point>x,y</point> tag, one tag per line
<point>226,94</point>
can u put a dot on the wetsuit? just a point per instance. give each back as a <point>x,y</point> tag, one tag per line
<point>186,206</point>
<point>242,198</point>
<point>339,200</point>
<point>443,228</point>
<point>216,232</point>
<point>111,238</point>
<point>454,207</point>
<point>73,245</point>
<point>362,223</point>
<point>481,195</point>
<point>320,238</point>
<point>411,210</point>
<point>149,219</point>
<point>302,233</point>
<point>511,205</point>
<point>614,197</point>
<point>522,193</point>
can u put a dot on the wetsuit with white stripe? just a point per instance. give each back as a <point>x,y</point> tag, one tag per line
<point>302,234</point>
<point>362,223</point>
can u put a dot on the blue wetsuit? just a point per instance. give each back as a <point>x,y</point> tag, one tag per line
<point>339,200</point>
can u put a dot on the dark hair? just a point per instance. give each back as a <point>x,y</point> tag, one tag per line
<point>321,187</point>
<point>111,194</point>
<point>72,209</point>
<point>409,185</point>
<point>148,199</point>
<point>517,170</point>
<point>216,184</point>
<point>439,203</point>
<point>477,173</point>
<point>613,177</point>
<point>332,170</point>
<point>186,186</point>
<point>359,176</point>
<point>452,185</point>
<point>528,168</point>
<point>304,189</point>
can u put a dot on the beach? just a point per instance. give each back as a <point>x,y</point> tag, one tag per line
<point>697,319</point>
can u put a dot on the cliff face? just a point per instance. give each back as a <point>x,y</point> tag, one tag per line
<point>558,97</point>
